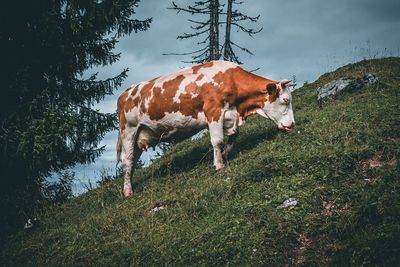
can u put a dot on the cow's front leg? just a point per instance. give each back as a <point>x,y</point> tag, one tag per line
<point>217,141</point>
<point>229,146</point>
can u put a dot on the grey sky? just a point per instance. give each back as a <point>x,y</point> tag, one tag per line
<point>304,38</point>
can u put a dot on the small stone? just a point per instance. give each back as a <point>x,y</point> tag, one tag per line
<point>290,202</point>
<point>31,223</point>
<point>370,78</point>
<point>153,210</point>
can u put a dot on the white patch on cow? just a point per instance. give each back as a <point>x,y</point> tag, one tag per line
<point>216,133</point>
<point>217,67</point>
<point>202,81</point>
<point>231,121</point>
<point>189,78</point>
<point>217,140</point>
<point>147,100</point>
<point>137,92</point>
<point>132,117</point>
<point>130,96</point>
<point>194,95</point>
<point>171,125</point>
<point>278,111</point>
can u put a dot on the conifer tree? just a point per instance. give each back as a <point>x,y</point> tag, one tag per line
<point>48,122</point>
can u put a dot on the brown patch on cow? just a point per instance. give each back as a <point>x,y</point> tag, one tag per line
<point>202,66</point>
<point>189,105</point>
<point>131,102</point>
<point>120,110</point>
<point>199,77</point>
<point>134,91</point>
<point>213,102</point>
<point>244,90</point>
<point>274,96</point>
<point>163,102</point>
<point>145,93</point>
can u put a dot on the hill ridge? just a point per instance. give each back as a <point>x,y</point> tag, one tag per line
<point>340,163</point>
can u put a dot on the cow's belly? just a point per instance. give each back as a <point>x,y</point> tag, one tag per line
<point>171,128</point>
<point>183,127</point>
<point>176,127</point>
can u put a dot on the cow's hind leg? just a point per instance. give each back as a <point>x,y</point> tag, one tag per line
<point>229,146</point>
<point>129,156</point>
<point>217,141</point>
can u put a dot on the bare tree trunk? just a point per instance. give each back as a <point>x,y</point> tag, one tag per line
<point>208,30</point>
<point>227,45</point>
<point>214,30</point>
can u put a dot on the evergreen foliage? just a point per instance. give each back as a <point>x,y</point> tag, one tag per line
<point>48,122</point>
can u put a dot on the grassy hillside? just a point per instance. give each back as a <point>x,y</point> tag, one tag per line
<point>340,163</point>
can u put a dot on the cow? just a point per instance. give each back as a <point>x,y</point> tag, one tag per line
<point>218,95</point>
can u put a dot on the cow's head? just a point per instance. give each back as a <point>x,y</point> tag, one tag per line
<point>278,105</point>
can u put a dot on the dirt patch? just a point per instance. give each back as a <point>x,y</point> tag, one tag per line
<point>377,161</point>
<point>304,244</point>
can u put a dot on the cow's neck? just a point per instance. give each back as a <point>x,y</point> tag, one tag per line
<point>251,92</point>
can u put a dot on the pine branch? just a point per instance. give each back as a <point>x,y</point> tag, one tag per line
<point>243,49</point>
<point>190,9</point>
<point>246,30</point>
<point>185,54</point>
<point>190,35</point>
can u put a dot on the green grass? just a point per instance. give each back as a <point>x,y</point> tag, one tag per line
<point>348,212</point>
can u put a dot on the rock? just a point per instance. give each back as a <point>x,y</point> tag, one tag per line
<point>370,79</point>
<point>31,223</point>
<point>290,202</point>
<point>338,85</point>
<point>333,87</point>
<point>155,209</point>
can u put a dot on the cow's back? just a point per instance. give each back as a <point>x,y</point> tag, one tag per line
<point>181,93</point>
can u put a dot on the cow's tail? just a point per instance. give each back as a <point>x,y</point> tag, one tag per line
<point>119,149</point>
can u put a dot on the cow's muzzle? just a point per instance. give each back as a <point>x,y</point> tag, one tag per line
<point>286,128</point>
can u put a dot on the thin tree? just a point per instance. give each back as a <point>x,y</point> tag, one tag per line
<point>207,30</point>
<point>47,119</point>
<point>235,18</point>
<point>214,30</point>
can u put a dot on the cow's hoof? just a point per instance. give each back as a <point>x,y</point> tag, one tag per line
<point>128,192</point>
<point>220,168</point>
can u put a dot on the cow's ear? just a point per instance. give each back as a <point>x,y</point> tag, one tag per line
<point>271,88</point>
<point>284,83</point>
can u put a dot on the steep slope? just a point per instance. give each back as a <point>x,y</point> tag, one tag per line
<point>340,163</point>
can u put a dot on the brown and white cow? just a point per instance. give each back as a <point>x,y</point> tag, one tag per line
<point>219,95</point>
